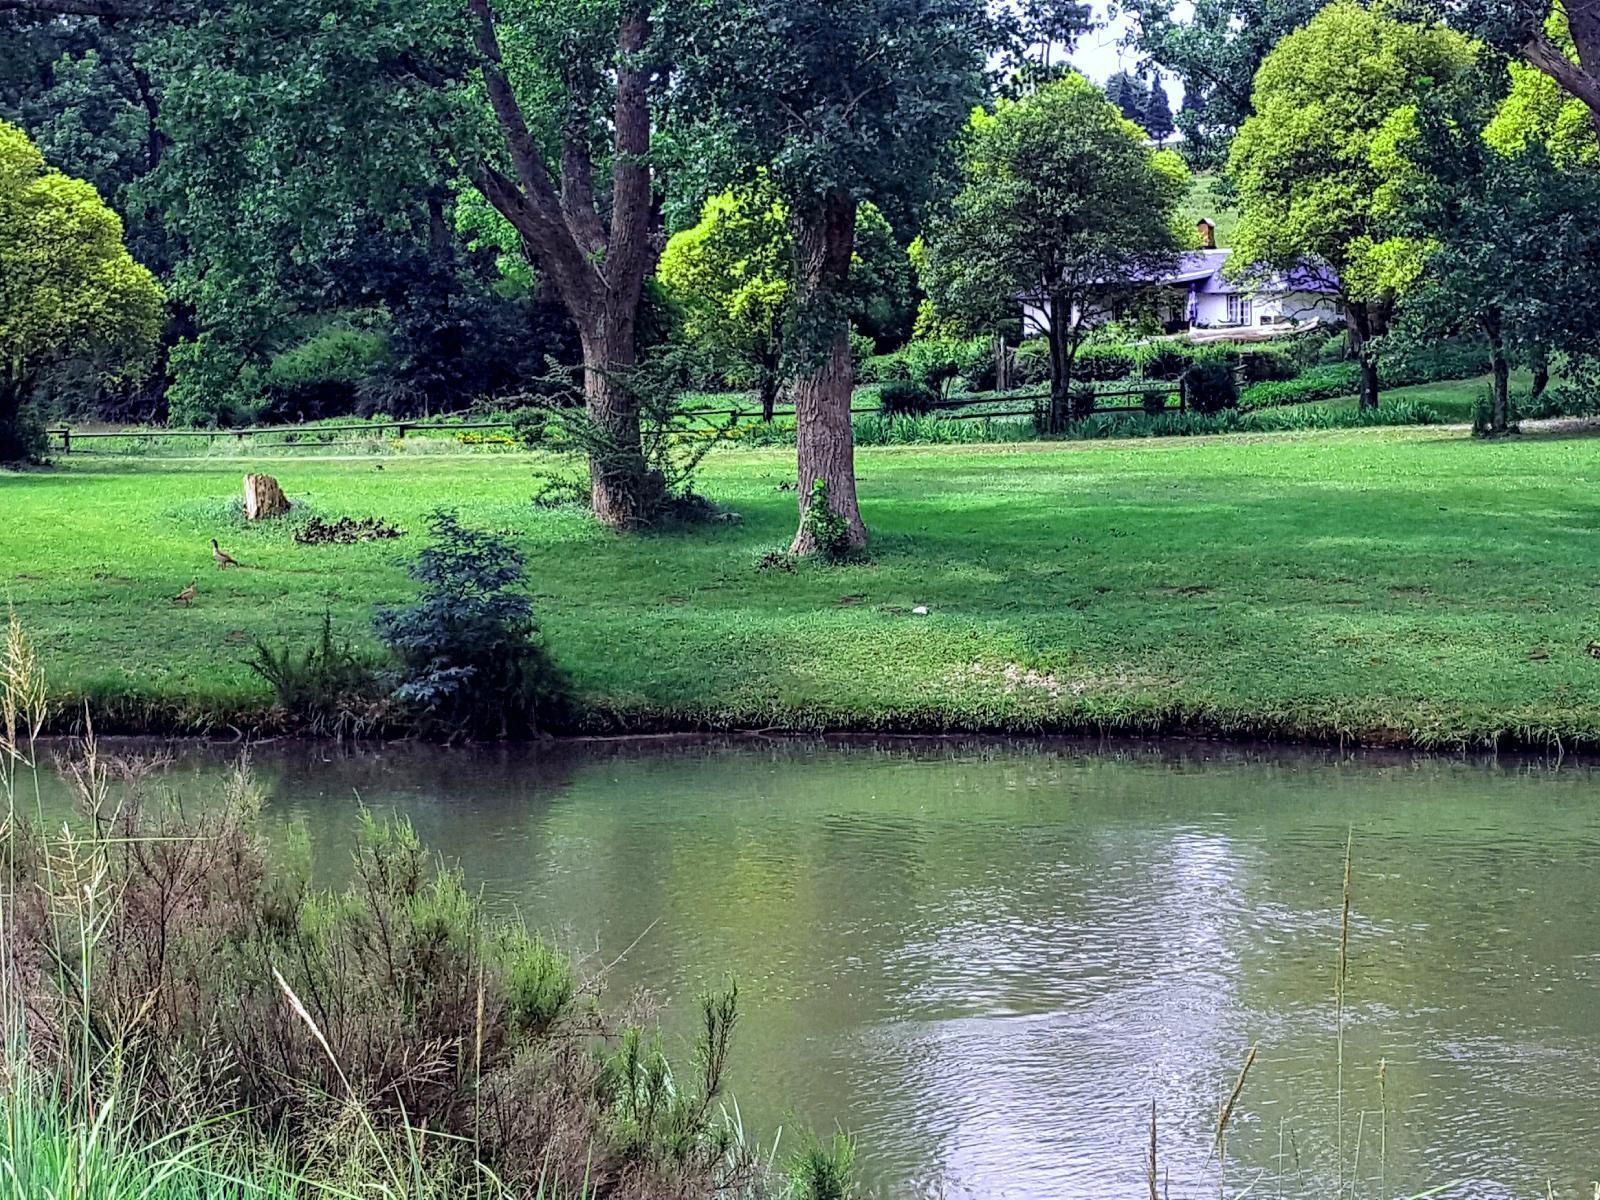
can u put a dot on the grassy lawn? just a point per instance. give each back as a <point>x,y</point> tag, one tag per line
<point>1390,585</point>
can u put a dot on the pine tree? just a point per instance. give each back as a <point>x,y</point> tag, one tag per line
<point>1157,113</point>
<point>1128,94</point>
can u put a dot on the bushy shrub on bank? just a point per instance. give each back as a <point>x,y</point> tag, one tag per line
<point>388,1035</point>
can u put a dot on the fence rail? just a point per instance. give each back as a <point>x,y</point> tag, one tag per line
<point>312,436</point>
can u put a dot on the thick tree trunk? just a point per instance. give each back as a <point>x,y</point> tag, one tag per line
<point>824,439</point>
<point>1362,329</point>
<point>622,492</point>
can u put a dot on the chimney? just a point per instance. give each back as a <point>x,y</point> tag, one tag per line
<point>1208,234</point>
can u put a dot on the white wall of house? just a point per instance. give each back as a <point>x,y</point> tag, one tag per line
<point>1220,310</point>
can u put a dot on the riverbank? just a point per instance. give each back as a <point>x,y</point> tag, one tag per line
<point>1391,586</point>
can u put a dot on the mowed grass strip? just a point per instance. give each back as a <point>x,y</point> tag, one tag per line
<point>1398,586</point>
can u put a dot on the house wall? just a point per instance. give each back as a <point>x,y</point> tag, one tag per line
<point>1268,308</point>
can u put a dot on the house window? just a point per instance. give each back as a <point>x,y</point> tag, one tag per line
<point>1240,310</point>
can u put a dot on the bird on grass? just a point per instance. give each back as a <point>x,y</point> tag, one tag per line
<point>222,557</point>
<point>186,597</point>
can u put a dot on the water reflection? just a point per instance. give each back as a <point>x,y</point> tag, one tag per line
<point>986,960</point>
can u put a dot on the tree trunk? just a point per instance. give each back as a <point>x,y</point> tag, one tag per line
<point>1539,360</point>
<point>824,439</point>
<point>767,387</point>
<point>1360,316</point>
<point>1060,341</point>
<point>621,490</point>
<point>1500,406</point>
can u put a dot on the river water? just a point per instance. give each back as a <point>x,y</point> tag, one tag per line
<point>986,961</point>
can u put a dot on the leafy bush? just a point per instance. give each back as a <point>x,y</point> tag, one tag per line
<point>1315,383</point>
<point>22,436</point>
<point>346,1027</point>
<point>902,397</point>
<point>830,532</point>
<point>327,686</point>
<point>882,368</point>
<point>320,376</point>
<point>934,362</point>
<point>471,659</point>
<point>1210,386</point>
<point>1100,364</point>
<point>1564,399</point>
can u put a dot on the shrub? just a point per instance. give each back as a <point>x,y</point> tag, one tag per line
<point>327,686</point>
<point>1564,399</point>
<point>1316,383</point>
<point>1210,386</point>
<point>168,944</point>
<point>882,368</point>
<point>22,438</point>
<point>471,661</point>
<point>1101,364</point>
<point>934,362</point>
<point>320,376</point>
<point>830,532</point>
<point>903,397</point>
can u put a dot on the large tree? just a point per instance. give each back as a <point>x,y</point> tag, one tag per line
<point>1314,196</point>
<point>1214,47</point>
<point>845,101</point>
<point>68,288</point>
<point>1060,199</point>
<point>293,113</point>
<point>732,272</point>
<point>1561,39</point>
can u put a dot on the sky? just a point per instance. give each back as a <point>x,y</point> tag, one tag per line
<point>1100,54</point>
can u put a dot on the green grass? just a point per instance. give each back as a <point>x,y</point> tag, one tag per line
<point>1202,201</point>
<point>1385,585</point>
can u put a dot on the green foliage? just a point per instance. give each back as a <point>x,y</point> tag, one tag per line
<point>471,659</point>
<point>1215,49</point>
<point>327,687</point>
<point>1210,386</point>
<point>1314,165</point>
<point>1538,111</point>
<point>819,1170</point>
<point>1056,187</point>
<point>731,273</point>
<point>901,397</point>
<point>829,531</point>
<point>321,375</point>
<point>391,1038</point>
<point>69,288</point>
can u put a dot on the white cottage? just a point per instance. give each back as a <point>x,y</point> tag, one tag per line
<point>1197,297</point>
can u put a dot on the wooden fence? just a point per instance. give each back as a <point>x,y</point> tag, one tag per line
<point>67,439</point>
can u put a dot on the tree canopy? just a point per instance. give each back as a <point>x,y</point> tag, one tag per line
<point>1061,200</point>
<point>842,101</point>
<point>1329,100</point>
<point>69,287</point>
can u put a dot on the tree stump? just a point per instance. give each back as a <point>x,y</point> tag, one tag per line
<point>263,498</point>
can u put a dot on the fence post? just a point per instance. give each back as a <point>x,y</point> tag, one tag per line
<point>400,429</point>
<point>66,440</point>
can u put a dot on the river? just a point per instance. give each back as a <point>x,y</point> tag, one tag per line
<point>985,961</point>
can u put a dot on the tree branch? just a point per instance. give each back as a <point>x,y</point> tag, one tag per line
<point>631,207</point>
<point>1542,53</point>
<point>577,186</point>
<point>533,207</point>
